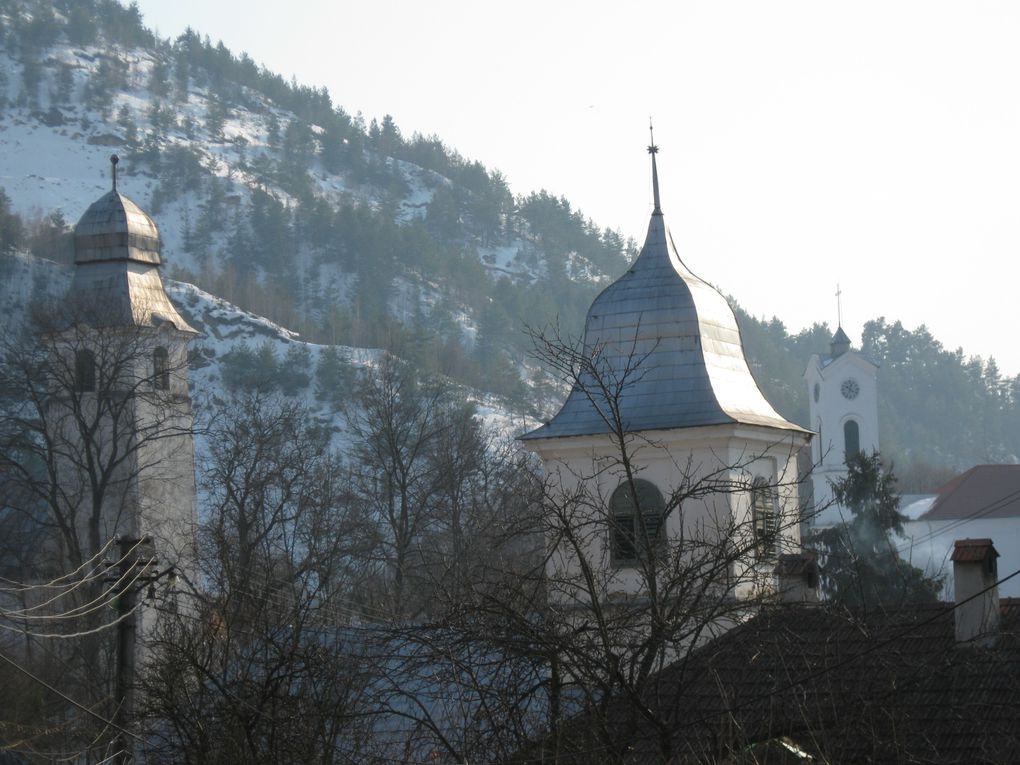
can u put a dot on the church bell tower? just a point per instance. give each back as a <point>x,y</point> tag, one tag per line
<point>126,347</point>
<point>665,448</point>
<point>843,405</point>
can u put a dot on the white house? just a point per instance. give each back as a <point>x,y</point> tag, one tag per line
<point>981,503</point>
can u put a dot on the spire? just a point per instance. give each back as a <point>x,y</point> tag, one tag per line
<point>840,343</point>
<point>113,162</point>
<point>653,150</point>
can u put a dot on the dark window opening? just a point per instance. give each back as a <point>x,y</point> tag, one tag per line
<point>851,439</point>
<point>766,524</point>
<point>85,371</point>
<point>161,369</point>
<point>636,525</point>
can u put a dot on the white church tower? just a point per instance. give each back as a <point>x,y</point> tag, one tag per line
<point>843,404</point>
<point>129,420</point>
<point>665,442</point>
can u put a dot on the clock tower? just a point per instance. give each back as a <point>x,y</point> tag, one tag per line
<point>843,402</point>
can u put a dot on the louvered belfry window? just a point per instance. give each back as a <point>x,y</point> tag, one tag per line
<point>636,527</point>
<point>161,369</point>
<point>766,524</point>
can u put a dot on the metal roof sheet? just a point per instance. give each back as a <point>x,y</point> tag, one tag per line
<point>119,294</point>
<point>115,228</point>
<point>116,255</point>
<point>670,344</point>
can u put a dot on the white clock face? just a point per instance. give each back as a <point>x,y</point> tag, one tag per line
<point>850,389</point>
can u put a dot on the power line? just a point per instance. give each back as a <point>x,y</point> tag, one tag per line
<point>68,699</point>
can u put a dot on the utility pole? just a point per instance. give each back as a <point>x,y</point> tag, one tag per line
<point>133,571</point>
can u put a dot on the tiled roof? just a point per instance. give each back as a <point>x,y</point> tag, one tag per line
<point>885,687</point>
<point>984,491</point>
<point>972,550</point>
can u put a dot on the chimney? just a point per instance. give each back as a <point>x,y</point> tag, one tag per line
<point>977,597</point>
<point>797,578</point>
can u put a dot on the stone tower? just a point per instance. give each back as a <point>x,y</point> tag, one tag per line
<point>843,404</point>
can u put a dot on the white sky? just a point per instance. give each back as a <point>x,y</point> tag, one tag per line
<point>871,143</point>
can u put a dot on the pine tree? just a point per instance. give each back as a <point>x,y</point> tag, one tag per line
<point>292,372</point>
<point>334,377</point>
<point>861,567</point>
<point>12,231</point>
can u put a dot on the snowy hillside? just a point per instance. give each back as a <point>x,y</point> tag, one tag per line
<point>227,331</point>
<point>57,150</point>
<point>275,199</point>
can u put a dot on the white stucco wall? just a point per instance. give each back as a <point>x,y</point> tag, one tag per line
<point>712,467</point>
<point>829,413</point>
<point>929,545</point>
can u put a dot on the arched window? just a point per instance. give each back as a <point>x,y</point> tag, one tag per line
<point>851,439</point>
<point>85,371</point>
<point>161,369</point>
<point>636,528</point>
<point>763,516</point>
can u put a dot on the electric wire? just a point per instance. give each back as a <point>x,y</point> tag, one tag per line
<point>68,699</point>
<point>99,602</point>
<point>53,583</point>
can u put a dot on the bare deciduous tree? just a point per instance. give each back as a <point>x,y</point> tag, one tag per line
<point>95,443</point>
<point>266,665</point>
<point>397,420</point>
<point>620,581</point>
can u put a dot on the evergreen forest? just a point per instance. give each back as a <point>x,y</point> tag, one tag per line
<point>348,231</point>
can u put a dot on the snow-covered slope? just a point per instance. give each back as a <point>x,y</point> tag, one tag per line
<point>268,195</point>
<point>224,329</point>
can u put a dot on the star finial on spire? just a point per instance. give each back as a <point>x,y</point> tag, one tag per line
<point>653,150</point>
<point>113,162</point>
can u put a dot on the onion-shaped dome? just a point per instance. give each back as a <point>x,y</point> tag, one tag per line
<point>663,349</point>
<point>115,228</point>
<point>117,259</point>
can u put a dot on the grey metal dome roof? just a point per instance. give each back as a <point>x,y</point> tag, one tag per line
<point>115,228</point>
<point>116,276</point>
<point>671,343</point>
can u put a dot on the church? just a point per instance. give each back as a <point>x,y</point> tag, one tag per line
<point>99,464</point>
<point>843,404</point>
<point>665,461</point>
<point>673,512</point>
<point>125,345</point>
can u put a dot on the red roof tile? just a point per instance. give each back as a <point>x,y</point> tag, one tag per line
<point>973,550</point>
<point>984,491</point>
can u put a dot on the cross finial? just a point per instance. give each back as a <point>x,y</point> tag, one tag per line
<point>653,150</point>
<point>839,304</point>
<point>113,162</point>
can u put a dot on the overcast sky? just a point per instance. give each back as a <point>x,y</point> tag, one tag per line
<point>803,144</point>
